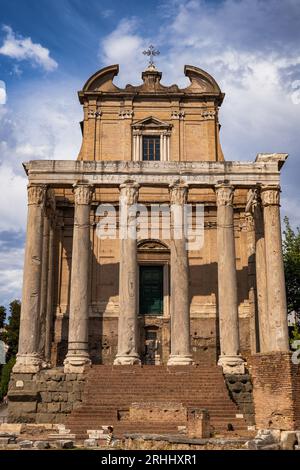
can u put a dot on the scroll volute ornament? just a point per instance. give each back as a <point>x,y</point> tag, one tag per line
<point>178,193</point>
<point>224,194</point>
<point>270,195</point>
<point>36,194</point>
<point>83,194</point>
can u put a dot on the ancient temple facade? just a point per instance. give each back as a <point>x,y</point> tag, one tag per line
<point>92,296</point>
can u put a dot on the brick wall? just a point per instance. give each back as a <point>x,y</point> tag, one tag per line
<point>276,387</point>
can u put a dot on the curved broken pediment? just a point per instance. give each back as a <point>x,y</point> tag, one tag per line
<point>201,83</point>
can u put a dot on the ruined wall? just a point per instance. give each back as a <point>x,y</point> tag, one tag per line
<point>46,397</point>
<point>276,386</point>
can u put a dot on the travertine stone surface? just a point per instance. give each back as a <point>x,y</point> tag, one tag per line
<point>180,313</point>
<point>276,295</point>
<point>230,358</point>
<point>28,358</point>
<point>78,357</point>
<point>127,324</point>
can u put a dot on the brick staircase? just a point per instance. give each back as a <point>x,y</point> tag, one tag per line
<point>110,390</point>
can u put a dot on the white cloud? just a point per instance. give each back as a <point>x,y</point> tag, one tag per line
<point>11,274</point>
<point>124,46</point>
<point>24,49</point>
<point>2,92</point>
<point>13,200</point>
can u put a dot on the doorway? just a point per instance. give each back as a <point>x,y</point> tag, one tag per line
<point>151,298</point>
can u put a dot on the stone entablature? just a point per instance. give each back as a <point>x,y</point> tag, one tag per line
<point>207,174</point>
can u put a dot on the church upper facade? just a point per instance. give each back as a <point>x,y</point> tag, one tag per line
<point>151,121</point>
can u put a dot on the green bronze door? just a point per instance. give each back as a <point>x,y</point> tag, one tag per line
<point>151,290</point>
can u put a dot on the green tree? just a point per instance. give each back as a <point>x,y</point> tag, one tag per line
<point>11,334</point>
<point>11,337</point>
<point>2,315</point>
<point>291,258</point>
<point>5,376</point>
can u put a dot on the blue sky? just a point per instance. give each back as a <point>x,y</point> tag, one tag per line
<point>48,48</point>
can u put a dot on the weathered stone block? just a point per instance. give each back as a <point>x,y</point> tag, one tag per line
<point>90,443</point>
<point>41,445</point>
<point>288,440</point>
<point>46,397</point>
<point>66,407</point>
<point>25,444</point>
<point>59,396</point>
<point>53,407</point>
<point>64,444</point>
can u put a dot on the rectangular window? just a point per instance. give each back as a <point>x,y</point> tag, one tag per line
<point>151,147</point>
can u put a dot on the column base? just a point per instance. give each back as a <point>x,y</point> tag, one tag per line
<point>175,360</point>
<point>232,364</point>
<point>124,360</point>
<point>28,363</point>
<point>75,364</point>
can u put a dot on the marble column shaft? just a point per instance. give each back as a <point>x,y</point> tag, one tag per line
<point>28,359</point>
<point>44,284</point>
<point>230,358</point>
<point>77,358</point>
<point>276,294</point>
<point>49,306</point>
<point>180,302</point>
<point>261,279</point>
<point>127,323</point>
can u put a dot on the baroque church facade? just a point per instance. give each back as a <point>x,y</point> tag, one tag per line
<point>92,299</point>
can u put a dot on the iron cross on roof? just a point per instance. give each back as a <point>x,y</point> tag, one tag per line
<point>151,52</point>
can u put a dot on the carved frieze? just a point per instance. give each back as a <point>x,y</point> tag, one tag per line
<point>177,114</point>
<point>94,114</point>
<point>126,113</point>
<point>208,114</point>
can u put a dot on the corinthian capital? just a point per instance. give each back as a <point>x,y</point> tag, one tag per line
<point>129,192</point>
<point>224,194</point>
<point>270,195</point>
<point>178,193</point>
<point>36,194</point>
<point>83,193</point>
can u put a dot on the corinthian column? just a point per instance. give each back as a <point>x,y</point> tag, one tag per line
<point>230,358</point>
<point>276,296</point>
<point>77,358</point>
<point>180,302</point>
<point>127,324</point>
<point>28,359</point>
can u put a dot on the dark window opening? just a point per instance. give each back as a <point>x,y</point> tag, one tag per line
<point>151,147</point>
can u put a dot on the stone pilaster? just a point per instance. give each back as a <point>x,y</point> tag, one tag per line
<point>276,296</point>
<point>28,358</point>
<point>180,302</point>
<point>127,324</point>
<point>77,358</point>
<point>230,358</point>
